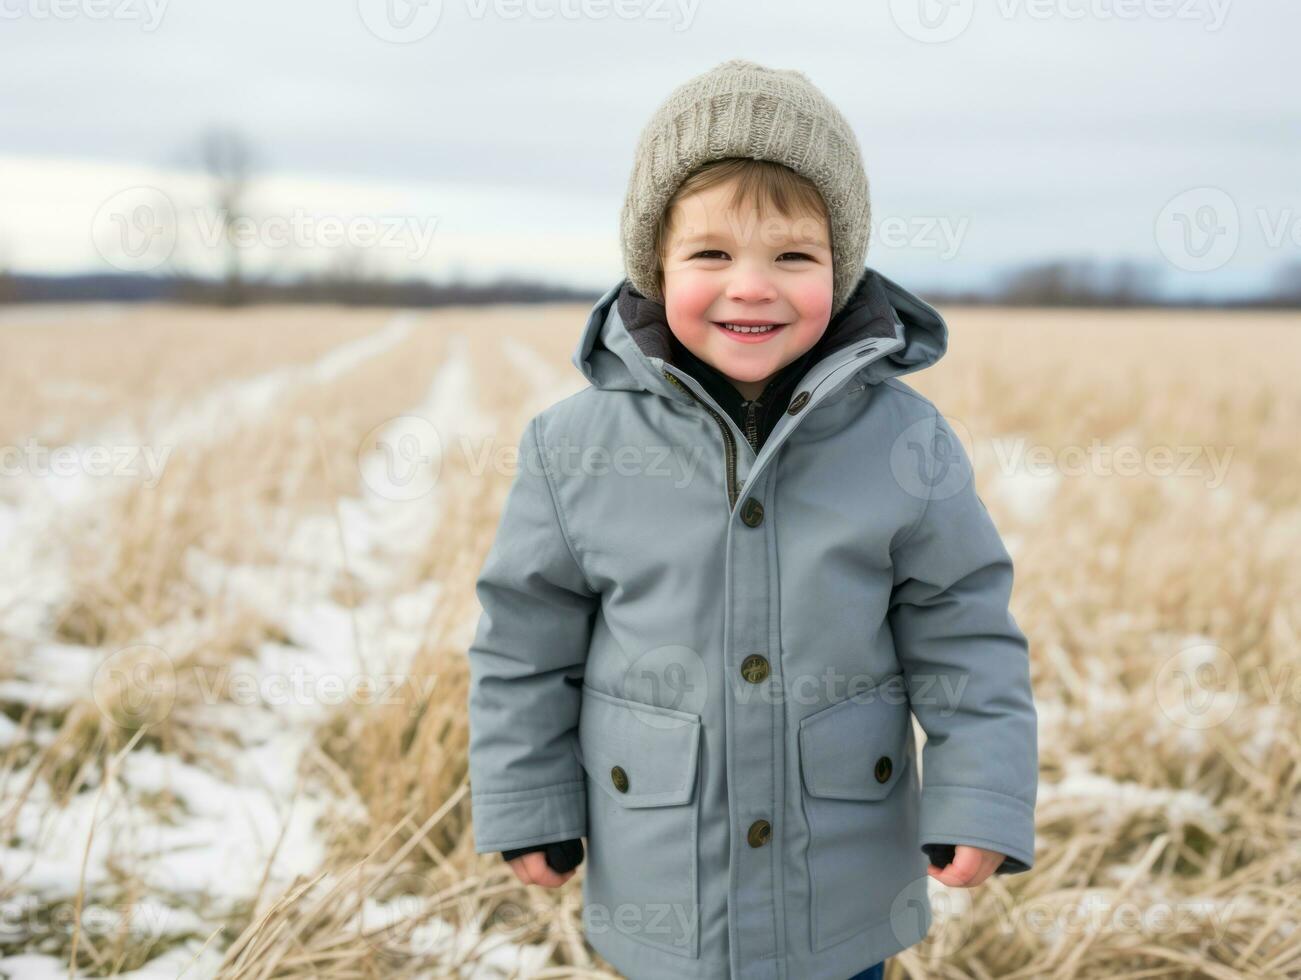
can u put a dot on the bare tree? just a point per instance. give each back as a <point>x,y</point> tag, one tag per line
<point>227,157</point>
<point>1079,282</point>
<point>8,284</point>
<point>1286,286</point>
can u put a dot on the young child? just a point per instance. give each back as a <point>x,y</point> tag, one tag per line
<point>732,569</point>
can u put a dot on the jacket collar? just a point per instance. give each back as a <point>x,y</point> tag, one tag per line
<point>647,321</point>
<point>632,354</point>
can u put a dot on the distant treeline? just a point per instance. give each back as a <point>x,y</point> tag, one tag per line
<point>1123,283</point>
<point>1057,283</point>
<point>217,292</point>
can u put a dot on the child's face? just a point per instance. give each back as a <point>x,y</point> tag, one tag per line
<point>721,266</point>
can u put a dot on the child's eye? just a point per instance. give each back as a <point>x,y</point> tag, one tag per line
<point>713,252</point>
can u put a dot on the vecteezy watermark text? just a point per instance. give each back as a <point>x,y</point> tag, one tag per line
<point>138,229</point>
<point>305,230</point>
<point>149,13</point>
<point>406,21</point>
<point>1101,459</point>
<point>134,461</point>
<point>937,21</point>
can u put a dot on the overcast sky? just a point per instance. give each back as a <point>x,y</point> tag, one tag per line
<point>497,135</point>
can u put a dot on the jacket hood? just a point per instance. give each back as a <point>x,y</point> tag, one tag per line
<point>614,354</point>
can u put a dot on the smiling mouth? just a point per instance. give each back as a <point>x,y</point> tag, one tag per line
<point>748,329</point>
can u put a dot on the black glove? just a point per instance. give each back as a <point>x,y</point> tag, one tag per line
<point>562,856</point>
<point>940,854</point>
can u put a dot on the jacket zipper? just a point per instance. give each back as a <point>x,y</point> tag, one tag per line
<point>729,445</point>
<point>751,432</point>
<point>751,429</point>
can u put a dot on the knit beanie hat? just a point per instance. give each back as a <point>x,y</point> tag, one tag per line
<point>743,109</point>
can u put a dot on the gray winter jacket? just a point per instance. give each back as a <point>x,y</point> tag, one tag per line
<point>705,661</point>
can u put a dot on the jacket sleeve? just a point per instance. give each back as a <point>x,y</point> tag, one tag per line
<point>966,664</point>
<point>526,664</point>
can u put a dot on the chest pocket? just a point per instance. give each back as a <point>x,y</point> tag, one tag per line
<point>853,755</point>
<point>642,764</point>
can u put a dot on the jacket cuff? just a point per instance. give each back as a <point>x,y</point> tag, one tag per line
<point>518,818</point>
<point>979,818</point>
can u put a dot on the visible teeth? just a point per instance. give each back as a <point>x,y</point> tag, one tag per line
<point>740,329</point>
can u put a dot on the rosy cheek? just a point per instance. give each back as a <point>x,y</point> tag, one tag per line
<point>812,301</point>
<point>687,302</point>
<point>692,296</point>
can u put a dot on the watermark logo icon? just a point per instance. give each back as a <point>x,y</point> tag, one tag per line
<point>135,686</point>
<point>1199,229</point>
<point>928,458</point>
<point>672,677</point>
<point>401,459</point>
<point>1197,687</point>
<point>135,229</point>
<point>932,21</point>
<point>400,21</point>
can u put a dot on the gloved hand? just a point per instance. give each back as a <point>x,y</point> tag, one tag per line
<point>561,856</point>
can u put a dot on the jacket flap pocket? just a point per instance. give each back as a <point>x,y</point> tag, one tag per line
<point>856,749</point>
<point>640,754</point>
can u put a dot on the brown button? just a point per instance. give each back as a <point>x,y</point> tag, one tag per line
<point>619,778</point>
<point>752,512</point>
<point>883,769</point>
<point>754,668</point>
<point>798,402</point>
<point>759,834</point>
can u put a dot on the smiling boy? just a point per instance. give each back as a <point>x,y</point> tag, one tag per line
<point>714,682</point>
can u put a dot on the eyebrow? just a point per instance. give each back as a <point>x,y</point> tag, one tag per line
<point>696,239</point>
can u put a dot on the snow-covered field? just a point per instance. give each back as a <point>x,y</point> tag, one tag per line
<point>172,847</point>
<point>237,553</point>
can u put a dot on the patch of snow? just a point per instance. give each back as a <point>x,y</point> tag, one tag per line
<point>547,382</point>
<point>1115,802</point>
<point>33,576</point>
<point>1027,495</point>
<point>201,856</point>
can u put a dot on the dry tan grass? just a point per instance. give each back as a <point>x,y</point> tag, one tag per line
<point>1166,849</point>
<point>64,377</point>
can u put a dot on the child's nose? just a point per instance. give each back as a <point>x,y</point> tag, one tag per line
<point>749,284</point>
